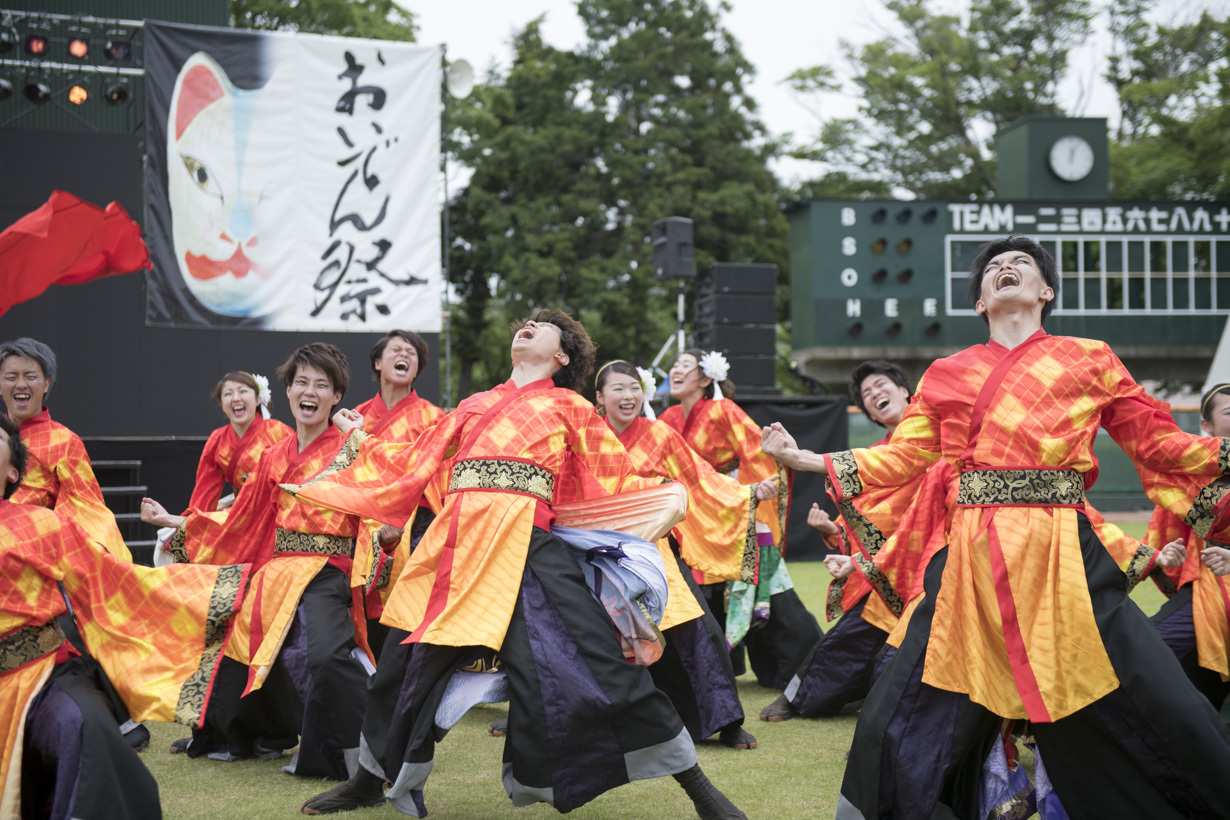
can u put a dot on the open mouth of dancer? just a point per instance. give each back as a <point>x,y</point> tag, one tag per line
<point>1007,279</point>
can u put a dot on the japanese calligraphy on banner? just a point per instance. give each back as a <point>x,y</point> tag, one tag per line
<point>292,181</point>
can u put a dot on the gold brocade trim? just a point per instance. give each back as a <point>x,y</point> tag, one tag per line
<point>344,458</point>
<point>317,543</point>
<point>192,694</point>
<point>1024,487</point>
<point>1135,570</point>
<point>836,590</point>
<point>1016,807</point>
<point>880,583</point>
<point>1200,516</point>
<point>29,644</point>
<point>487,663</point>
<point>868,534</point>
<point>729,467</point>
<point>497,474</point>
<point>372,573</point>
<point>177,547</point>
<point>845,468</point>
<point>1223,456</point>
<point>783,504</point>
<point>386,574</point>
<point>1163,581</point>
<point>751,548</point>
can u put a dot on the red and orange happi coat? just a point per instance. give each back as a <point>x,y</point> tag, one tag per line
<point>729,440</point>
<point>502,459</point>
<point>1014,626</point>
<point>157,632</point>
<point>58,477</point>
<point>286,541</point>
<point>229,459</point>
<point>1210,593</point>
<point>404,422</point>
<point>718,536</point>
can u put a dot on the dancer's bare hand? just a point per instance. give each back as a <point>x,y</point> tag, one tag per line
<point>779,444</point>
<point>819,519</point>
<point>1173,554</point>
<point>1216,559</point>
<point>389,534</point>
<point>767,489</point>
<point>839,566</point>
<point>347,420</point>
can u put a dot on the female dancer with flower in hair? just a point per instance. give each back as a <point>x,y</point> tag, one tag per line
<point>718,537</point>
<point>233,450</point>
<point>766,610</point>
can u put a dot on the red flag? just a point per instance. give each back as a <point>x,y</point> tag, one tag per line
<point>66,241</point>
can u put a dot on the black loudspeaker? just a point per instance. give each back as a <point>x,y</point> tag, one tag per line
<point>737,340</point>
<point>672,248</point>
<point>732,277</point>
<point>752,371</point>
<point>736,309</point>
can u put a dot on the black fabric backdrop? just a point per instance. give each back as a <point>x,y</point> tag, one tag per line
<point>820,424</point>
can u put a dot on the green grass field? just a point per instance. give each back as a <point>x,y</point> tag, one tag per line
<point>796,771</point>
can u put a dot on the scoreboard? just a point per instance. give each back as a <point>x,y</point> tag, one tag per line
<point>887,279</point>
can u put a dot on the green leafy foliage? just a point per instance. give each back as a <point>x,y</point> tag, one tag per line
<point>573,155</point>
<point>373,19</point>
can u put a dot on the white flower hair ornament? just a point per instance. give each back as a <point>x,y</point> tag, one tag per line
<point>650,386</point>
<point>263,394</point>
<point>715,366</point>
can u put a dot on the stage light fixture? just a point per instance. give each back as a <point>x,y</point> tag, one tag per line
<point>6,88</point>
<point>119,46</point>
<point>37,91</point>
<point>36,45</point>
<point>78,94</point>
<point>78,43</point>
<point>117,92</point>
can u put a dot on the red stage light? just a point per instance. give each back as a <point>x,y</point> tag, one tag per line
<point>36,45</point>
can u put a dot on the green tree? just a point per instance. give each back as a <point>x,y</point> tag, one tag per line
<point>1173,138</point>
<point>934,95</point>
<point>575,155</point>
<point>372,19</point>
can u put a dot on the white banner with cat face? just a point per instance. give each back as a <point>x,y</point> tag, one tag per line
<point>293,181</point>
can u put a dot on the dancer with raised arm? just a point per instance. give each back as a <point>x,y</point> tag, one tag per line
<point>1025,614</point>
<point>157,632</point>
<point>489,576</point>
<point>295,659</point>
<point>767,612</point>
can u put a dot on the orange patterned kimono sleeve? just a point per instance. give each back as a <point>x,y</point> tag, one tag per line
<point>235,535</point>
<point>157,632</point>
<point>914,447</point>
<point>756,466</point>
<point>80,498</point>
<point>387,479</point>
<point>718,536</point>
<point>209,479</point>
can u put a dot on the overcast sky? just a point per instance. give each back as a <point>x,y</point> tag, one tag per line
<point>777,36</point>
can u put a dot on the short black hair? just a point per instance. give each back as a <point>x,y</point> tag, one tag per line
<point>35,351</point>
<point>876,367</point>
<point>415,340</point>
<point>17,452</point>
<point>327,358</point>
<point>1015,242</point>
<point>573,340</point>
